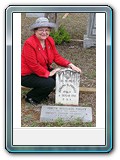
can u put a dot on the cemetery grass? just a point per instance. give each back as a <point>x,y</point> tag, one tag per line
<point>86,60</point>
<point>76,25</point>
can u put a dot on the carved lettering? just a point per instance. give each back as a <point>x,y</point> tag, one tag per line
<point>67,87</point>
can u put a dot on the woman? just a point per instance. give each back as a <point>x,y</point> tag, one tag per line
<point>38,53</point>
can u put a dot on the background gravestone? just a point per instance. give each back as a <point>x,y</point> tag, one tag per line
<point>35,14</point>
<point>67,87</point>
<point>51,16</point>
<point>90,37</point>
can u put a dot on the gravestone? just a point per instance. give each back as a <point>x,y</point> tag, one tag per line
<point>35,14</point>
<point>67,95</point>
<point>90,36</point>
<point>66,113</point>
<point>67,87</point>
<point>51,16</point>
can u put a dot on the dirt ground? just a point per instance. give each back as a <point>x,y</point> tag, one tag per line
<point>74,51</point>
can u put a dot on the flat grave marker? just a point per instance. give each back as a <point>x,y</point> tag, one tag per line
<point>66,113</point>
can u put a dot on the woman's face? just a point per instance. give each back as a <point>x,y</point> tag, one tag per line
<point>42,33</point>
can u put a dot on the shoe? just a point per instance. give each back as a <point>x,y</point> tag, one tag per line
<point>31,101</point>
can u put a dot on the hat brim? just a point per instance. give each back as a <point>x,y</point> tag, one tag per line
<point>38,25</point>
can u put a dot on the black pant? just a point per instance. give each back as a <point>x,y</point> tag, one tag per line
<point>42,87</point>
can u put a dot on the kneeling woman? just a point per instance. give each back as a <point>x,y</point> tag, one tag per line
<point>38,53</point>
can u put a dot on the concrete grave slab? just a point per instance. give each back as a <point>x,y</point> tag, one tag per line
<point>52,113</point>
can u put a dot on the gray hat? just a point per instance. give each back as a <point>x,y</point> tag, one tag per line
<point>42,22</point>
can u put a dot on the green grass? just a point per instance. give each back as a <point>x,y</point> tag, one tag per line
<point>58,123</point>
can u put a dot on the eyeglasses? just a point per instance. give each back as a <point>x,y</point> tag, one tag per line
<point>44,30</point>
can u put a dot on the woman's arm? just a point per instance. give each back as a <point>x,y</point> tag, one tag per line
<point>72,66</point>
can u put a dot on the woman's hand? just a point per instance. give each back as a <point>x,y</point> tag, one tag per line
<point>72,66</point>
<point>53,72</point>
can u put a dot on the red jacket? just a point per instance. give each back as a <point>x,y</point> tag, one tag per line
<point>34,59</point>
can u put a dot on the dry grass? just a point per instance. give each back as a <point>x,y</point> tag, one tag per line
<point>84,58</point>
<point>75,23</point>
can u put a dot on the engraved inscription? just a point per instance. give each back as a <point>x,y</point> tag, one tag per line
<point>52,113</point>
<point>67,87</point>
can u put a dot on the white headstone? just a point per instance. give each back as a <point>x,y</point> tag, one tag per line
<point>52,113</point>
<point>67,87</point>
